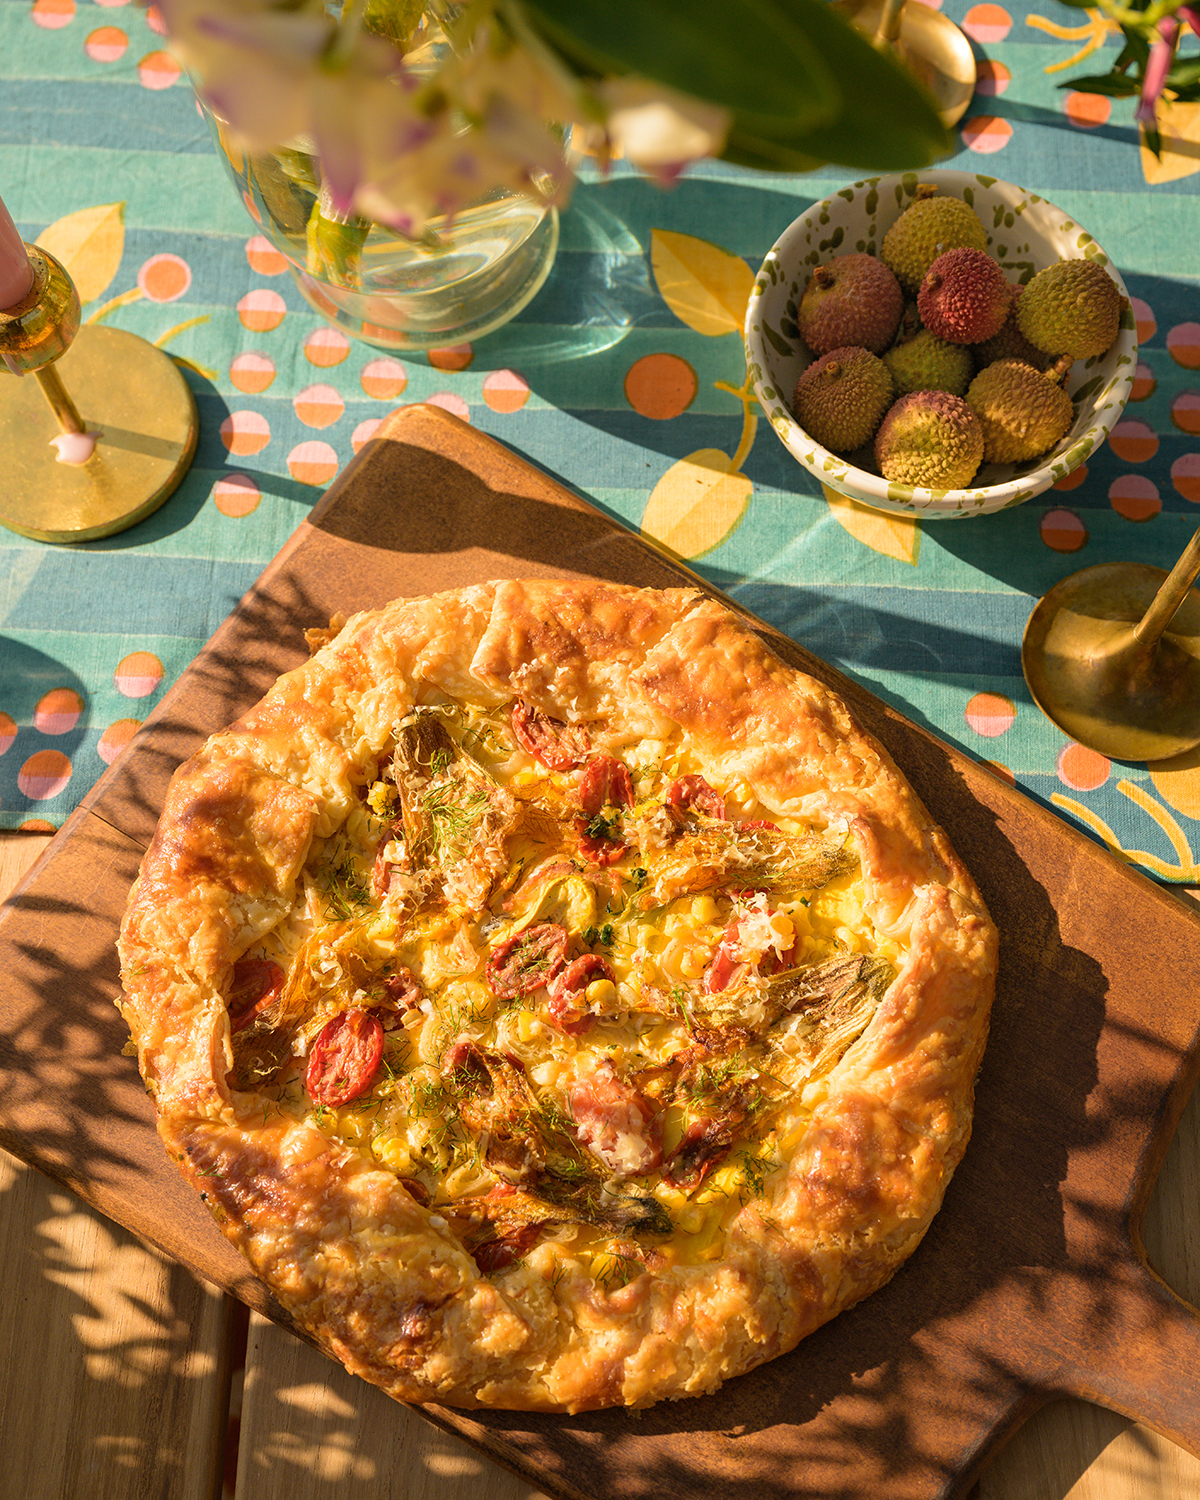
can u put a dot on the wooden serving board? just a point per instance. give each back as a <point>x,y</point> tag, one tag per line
<point>1031,1282</point>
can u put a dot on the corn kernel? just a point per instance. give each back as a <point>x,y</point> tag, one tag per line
<point>601,992</point>
<point>704,909</point>
<point>693,963</point>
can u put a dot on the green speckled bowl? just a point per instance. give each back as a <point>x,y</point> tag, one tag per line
<point>1025,233</point>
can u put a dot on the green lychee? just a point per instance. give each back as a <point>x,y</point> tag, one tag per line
<point>932,439</point>
<point>929,226</point>
<point>841,398</point>
<point>924,362</point>
<point>1023,411</point>
<point>964,297</point>
<point>1072,307</point>
<point>852,300</point>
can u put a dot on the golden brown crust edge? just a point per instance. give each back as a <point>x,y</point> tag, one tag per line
<point>342,1244</point>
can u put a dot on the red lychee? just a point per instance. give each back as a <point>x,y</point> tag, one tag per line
<point>964,297</point>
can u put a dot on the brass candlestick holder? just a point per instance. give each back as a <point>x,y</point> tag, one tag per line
<point>926,43</point>
<point>117,410</point>
<point>1112,656</point>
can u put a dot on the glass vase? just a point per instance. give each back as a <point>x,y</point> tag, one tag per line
<point>466,279</point>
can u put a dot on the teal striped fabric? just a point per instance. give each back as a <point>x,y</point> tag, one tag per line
<point>602,382</point>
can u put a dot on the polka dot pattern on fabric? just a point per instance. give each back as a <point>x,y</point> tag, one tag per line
<point>1063,531</point>
<point>1183,343</point>
<point>44,775</point>
<point>319,406</point>
<point>986,134</point>
<point>384,379</point>
<point>138,675</point>
<point>158,70</point>
<point>236,495</point>
<point>505,391</point>
<point>107,44</point>
<point>57,711</point>
<point>1134,497</point>
<point>245,432</point>
<point>115,738</point>
<point>1081,769</point>
<point>660,386</point>
<point>458,357</point>
<point>987,23</point>
<point>262,310</point>
<point>164,278</point>
<point>312,463</point>
<point>990,714</point>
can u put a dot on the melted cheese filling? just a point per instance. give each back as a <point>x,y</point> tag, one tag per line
<point>344,939</point>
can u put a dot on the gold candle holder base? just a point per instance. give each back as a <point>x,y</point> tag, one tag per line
<point>927,43</point>
<point>1112,656</point>
<point>136,398</point>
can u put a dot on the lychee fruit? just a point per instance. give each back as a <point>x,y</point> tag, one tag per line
<point>1023,411</point>
<point>930,438</point>
<point>924,362</point>
<point>851,300</point>
<point>841,398</point>
<point>1009,343</point>
<point>1072,307</point>
<point>929,226</point>
<point>964,297</point>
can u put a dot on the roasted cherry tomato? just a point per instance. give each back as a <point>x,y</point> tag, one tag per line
<point>344,1058</point>
<point>604,780</point>
<point>525,962</point>
<point>695,792</point>
<point>558,746</point>
<point>257,984</point>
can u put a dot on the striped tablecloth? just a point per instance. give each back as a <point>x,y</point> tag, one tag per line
<point>625,376</point>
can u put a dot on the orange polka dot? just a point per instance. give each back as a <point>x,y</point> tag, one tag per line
<point>51,14</point>
<point>1134,497</point>
<point>113,4</point>
<point>164,278</point>
<point>251,206</point>
<point>263,257</point>
<point>57,711</point>
<point>998,768</point>
<point>37,825</point>
<point>261,310</point>
<point>44,775</point>
<point>660,386</point>
<point>245,432</point>
<point>106,44</point>
<point>1147,323</point>
<point>236,495</point>
<point>115,738</point>
<point>992,78</point>
<point>448,401</point>
<point>1185,411</point>
<point>505,390</point>
<point>252,372</point>
<point>1081,769</point>
<point>1063,531</point>
<point>158,70</point>
<point>326,347</point>
<point>1135,442</point>
<point>364,432</point>
<point>986,134</point>
<point>384,378</point>
<point>8,732</point>
<point>1073,480</point>
<point>138,674</point>
<point>1087,110</point>
<point>990,714</point>
<point>312,463</point>
<point>458,357</point>
<point>154,19</point>
<point>987,23</point>
<point>1183,341</point>
<point>1185,476</point>
<point>319,406</point>
<point>1144,384</point>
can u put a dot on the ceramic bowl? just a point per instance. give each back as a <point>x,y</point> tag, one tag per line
<point>1025,233</point>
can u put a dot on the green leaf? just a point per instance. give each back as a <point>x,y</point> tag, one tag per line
<point>747,56</point>
<point>774,64</point>
<point>1115,86</point>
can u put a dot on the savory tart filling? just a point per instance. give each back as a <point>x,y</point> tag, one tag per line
<point>563,992</point>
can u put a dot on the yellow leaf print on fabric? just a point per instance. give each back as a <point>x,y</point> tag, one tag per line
<point>697,503</point>
<point>1179,127</point>
<point>90,243</point>
<point>704,286</point>
<point>893,536</point>
<point>1177,782</point>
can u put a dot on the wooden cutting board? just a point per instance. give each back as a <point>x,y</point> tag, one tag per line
<point>1031,1283</point>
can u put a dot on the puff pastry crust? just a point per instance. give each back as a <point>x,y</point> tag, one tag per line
<point>665,1080</point>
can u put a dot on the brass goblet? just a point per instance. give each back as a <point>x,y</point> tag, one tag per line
<point>926,43</point>
<point>1112,656</point>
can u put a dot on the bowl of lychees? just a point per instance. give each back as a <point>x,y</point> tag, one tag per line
<point>939,344</point>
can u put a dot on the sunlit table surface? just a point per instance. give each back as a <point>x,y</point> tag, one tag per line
<point>126,1378</point>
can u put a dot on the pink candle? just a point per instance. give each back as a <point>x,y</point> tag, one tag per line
<point>16,274</point>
